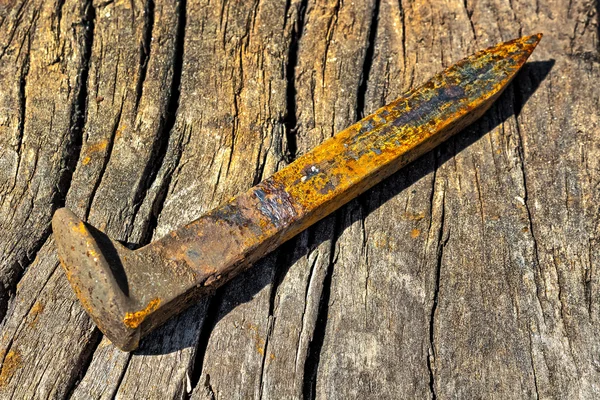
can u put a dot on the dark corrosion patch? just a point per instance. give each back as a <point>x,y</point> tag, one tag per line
<point>232,214</point>
<point>275,203</point>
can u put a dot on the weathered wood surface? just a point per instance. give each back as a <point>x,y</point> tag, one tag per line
<point>472,273</point>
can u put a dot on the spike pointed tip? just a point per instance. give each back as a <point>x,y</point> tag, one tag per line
<point>522,46</point>
<point>512,55</point>
<point>531,42</point>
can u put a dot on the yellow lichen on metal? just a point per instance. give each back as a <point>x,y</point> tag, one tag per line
<point>134,319</point>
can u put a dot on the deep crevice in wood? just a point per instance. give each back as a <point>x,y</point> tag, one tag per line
<point>79,109</point>
<point>291,119</point>
<point>311,365</point>
<point>58,14</point>
<point>22,264</point>
<point>109,148</point>
<point>22,103</point>
<point>309,240</point>
<point>367,63</point>
<point>284,259</point>
<point>145,48</point>
<point>260,166</point>
<point>84,360</point>
<point>469,15</point>
<point>403,37</point>
<point>518,106</point>
<point>210,320</point>
<point>165,133</point>
<point>331,25</point>
<point>121,376</point>
<point>11,35</point>
<point>440,253</point>
<point>270,323</point>
<point>533,369</point>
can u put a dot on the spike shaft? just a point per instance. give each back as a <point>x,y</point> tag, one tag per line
<point>345,165</point>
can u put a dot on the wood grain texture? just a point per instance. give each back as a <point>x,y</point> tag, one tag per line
<point>471,273</point>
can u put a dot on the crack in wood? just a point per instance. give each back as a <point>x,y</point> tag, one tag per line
<point>166,133</point>
<point>109,148</point>
<point>210,320</point>
<point>145,48</point>
<point>368,63</point>
<point>436,289</point>
<point>313,355</point>
<point>291,118</point>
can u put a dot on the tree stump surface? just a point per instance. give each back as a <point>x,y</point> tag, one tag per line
<point>472,273</point>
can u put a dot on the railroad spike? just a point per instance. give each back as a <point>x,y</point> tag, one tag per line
<point>128,293</point>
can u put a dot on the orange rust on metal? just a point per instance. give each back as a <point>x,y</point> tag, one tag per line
<point>134,319</point>
<point>110,280</point>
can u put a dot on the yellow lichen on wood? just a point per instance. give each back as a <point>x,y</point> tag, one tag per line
<point>12,362</point>
<point>35,312</point>
<point>97,147</point>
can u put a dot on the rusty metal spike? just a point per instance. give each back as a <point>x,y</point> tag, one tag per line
<point>128,293</point>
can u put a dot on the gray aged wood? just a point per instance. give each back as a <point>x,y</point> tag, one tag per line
<point>472,273</point>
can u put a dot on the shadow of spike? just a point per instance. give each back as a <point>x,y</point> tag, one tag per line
<point>129,293</point>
